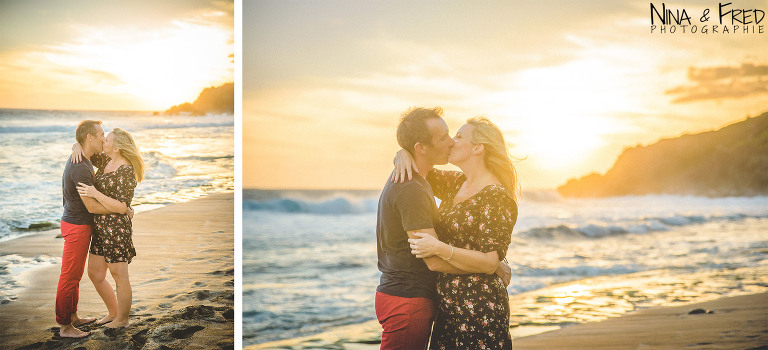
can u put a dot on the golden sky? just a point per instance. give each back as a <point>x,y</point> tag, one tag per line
<point>571,83</point>
<point>113,55</point>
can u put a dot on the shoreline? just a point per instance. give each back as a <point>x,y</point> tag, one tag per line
<point>739,321</point>
<point>699,276</point>
<point>140,208</point>
<point>182,281</point>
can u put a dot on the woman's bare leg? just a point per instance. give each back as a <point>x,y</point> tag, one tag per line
<point>97,272</point>
<point>119,272</point>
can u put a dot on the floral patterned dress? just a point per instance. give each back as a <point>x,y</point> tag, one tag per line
<point>112,233</point>
<point>473,309</point>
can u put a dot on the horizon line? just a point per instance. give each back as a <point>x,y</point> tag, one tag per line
<point>160,113</point>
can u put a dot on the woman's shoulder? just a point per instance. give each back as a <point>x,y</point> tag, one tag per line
<point>499,194</point>
<point>499,204</point>
<point>101,157</point>
<point>451,174</point>
<point>126,170</point>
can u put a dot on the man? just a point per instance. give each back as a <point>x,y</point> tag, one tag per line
<point>76,229</point>
<point>404,297</point>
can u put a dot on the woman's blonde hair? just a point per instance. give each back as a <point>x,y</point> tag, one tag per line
<point>124,142</point>
<point>496,155</point>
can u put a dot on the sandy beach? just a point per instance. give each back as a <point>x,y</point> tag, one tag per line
<point>182,279</point>
<point>738,322</point>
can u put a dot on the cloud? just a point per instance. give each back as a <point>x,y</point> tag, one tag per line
<point>721,82</point>
<point>123,66</point>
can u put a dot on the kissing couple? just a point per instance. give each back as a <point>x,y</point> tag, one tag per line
<point>96,224</point>
<point>446,264</point>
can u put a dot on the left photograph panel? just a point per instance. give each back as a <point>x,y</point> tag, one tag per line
<point>117,174</point>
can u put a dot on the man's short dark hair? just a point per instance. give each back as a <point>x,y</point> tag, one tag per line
<point>413,127</point>
<point>84,128</point>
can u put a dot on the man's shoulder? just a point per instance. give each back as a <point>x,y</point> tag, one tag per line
<point>406,190</point>
<point>83,165</point>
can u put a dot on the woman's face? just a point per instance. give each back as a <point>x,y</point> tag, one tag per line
<point>462,147</point>
<point>108,146</point>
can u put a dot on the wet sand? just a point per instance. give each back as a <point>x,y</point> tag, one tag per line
<point>738,322</point>
<point>182,280</point>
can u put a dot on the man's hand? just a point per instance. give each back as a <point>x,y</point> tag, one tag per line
<point>130,213</point>
<point>505,272</point>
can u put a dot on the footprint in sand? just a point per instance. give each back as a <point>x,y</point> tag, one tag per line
<point>213,295</point>
<point>230,272</point>
<point>186,332</point>
<point>113,333</point>
<point>197,312</point>
<point>156,280</point>
<point>203,294</point>
<point>229,314</point>
<point>170,332</point>
<point>140,338</point>
<point>228,296</point>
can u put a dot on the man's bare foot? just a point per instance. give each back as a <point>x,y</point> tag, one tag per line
<point>70,331</point>
<point>81,321</point>
<point>117,324</point>
<point>105,320</point>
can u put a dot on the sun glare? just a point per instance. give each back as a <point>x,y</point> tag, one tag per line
<point>565,111</point>
<point>146,68</point>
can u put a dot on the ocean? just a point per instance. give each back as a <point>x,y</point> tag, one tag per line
<point>309,258</point>
<point>186,158</point>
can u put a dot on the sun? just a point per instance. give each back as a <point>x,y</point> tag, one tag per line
<point>175,68</point>
<point>138,68</point>
<point>563,113</point>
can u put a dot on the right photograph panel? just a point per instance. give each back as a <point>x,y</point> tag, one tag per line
<point>473,175</point>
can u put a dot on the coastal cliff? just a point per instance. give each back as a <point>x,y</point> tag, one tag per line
<point>732,161</point>
<point>214,100</point>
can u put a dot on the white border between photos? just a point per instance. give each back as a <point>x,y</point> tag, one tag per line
<point>238,174</point>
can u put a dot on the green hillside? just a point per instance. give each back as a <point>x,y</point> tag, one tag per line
<point>213,100</point>
<point>732,161</point>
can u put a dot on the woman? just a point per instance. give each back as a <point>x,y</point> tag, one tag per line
<point>477,214</point>
<point>120,168</point>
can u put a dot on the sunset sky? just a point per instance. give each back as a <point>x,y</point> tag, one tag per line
<point>571,83</point>
<point>113,55</point>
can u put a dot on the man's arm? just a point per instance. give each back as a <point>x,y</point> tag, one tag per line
<point>82,174</point>
<point>434,263</point>
<point>94,207</point>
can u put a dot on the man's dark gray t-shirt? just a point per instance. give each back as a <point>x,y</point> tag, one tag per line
<point>404,207</point>
<point>75,211</point>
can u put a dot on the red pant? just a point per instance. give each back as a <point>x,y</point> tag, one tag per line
<point>76,241</point>
<point>407,322</point>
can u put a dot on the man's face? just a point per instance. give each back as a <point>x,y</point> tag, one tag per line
<point>98,140</point>
<point>440,147</point>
